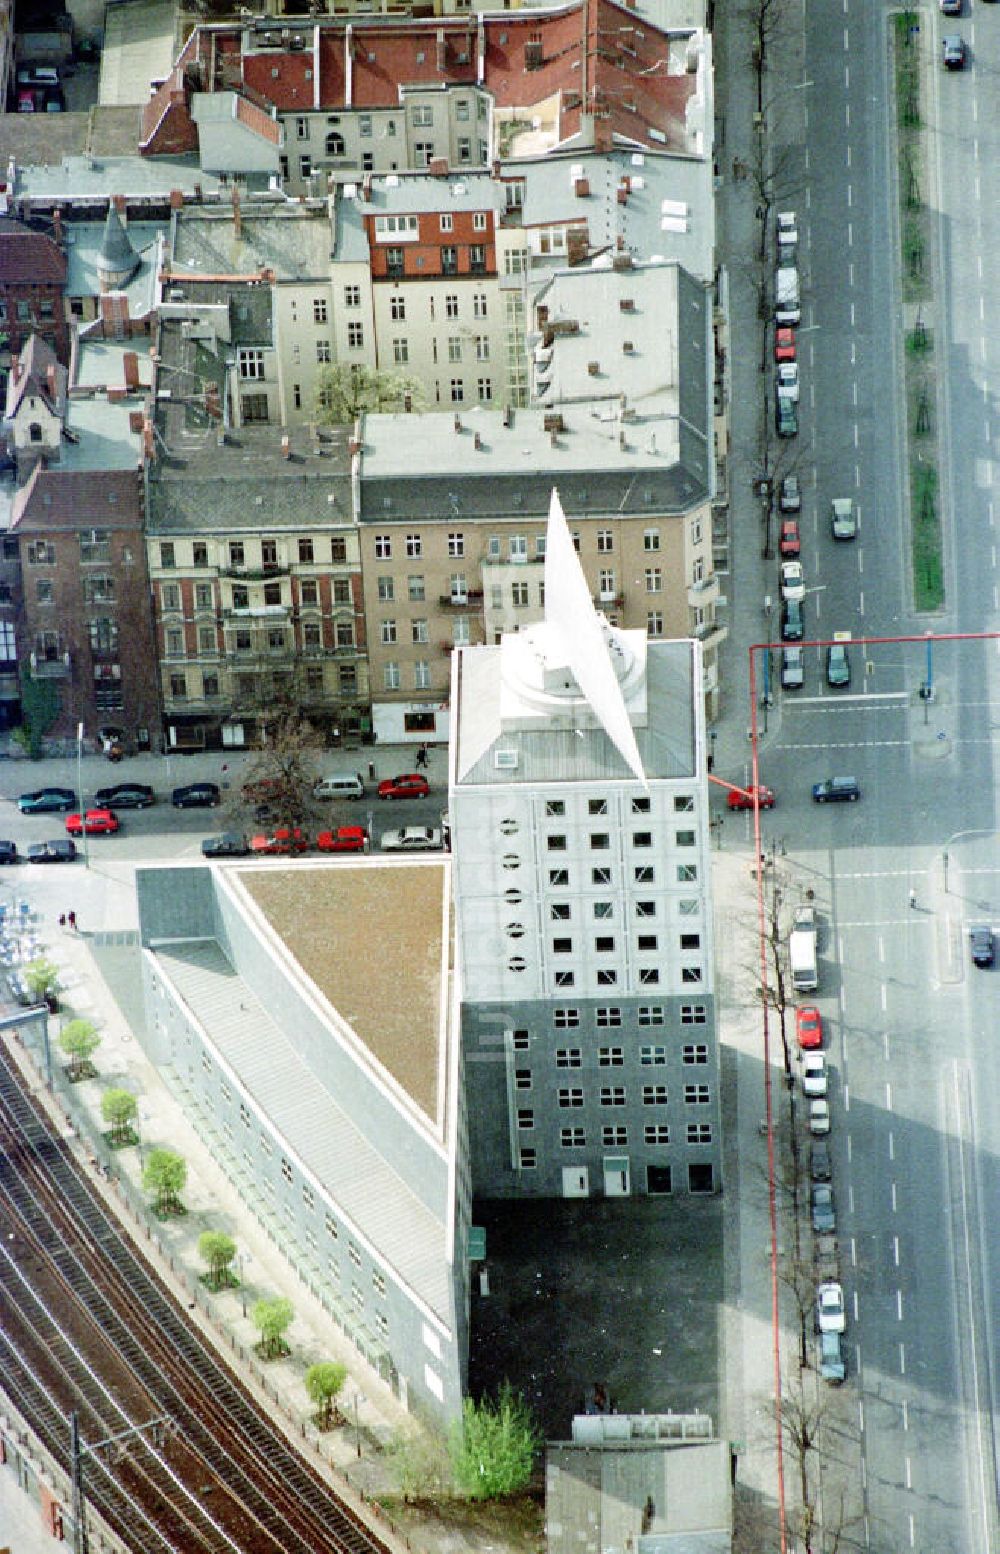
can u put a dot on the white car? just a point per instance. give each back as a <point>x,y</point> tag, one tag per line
<point>831,1314</point>
<point>411,839</point>
<point>814,1075</point>
<point>819,1116</point>
<point>793,582</point>
<point>787,379</point>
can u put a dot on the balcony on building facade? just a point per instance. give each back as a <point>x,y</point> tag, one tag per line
<point>704,592</point>
<point>50,668</point>
<point>470,600</point>
<point>609,601</point>
<point>262,574</point>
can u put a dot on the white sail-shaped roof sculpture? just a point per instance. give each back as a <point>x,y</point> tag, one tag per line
<point>588,643</point>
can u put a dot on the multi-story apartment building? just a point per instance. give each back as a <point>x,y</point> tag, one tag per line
<point>453,508</point>
<point>278,265</point>
<point>357,94</point>
<point>76,598</point>
<point>580,831</point>
<point>254,561</point>
<point>32,283</point>
<point>432,243</point>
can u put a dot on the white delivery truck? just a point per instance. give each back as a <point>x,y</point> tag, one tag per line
<point>786,295</point>
<point>802,950</point>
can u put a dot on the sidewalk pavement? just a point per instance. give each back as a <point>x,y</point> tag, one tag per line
<point>749,1391</point>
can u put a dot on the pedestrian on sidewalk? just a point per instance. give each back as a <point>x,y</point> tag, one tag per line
<point>71,919</point>
<point>62,919</point>
<point>913,899</point>
<point>421,760</point>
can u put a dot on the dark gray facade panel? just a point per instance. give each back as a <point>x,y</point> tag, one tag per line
<point>504,1081</point>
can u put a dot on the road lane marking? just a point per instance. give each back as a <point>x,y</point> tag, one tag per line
<point>902,1359</point>
<point>906,1415</point>
<point>899,1305</point>
<point>892,1145</point>
<point>850,244</point>
<point>847,1097</point>
<point>885,1005</point>
<point>848,147</point>
<point>909,1475</point>
<point>854,1253</point>
<point>850,1190</point>
<point>895,1252</point>
<point>856,1309</point>
<point>913,1532</point>
<point>893,1193</point>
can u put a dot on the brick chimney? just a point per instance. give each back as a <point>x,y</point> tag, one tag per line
<point>57,231</point>
<point>286,446</point>
<point>50,380</point>
<point>130,363</point>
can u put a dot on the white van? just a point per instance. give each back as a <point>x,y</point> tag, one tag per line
<point>345,785</point>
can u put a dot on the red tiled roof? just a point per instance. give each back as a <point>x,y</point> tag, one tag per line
<point>79,499</point>
<point>619,74</point>
<point>30,258</point>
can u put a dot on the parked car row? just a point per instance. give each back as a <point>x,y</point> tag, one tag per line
<point>830,1307</point>
<point>208,795</point>
<point>293,841</point>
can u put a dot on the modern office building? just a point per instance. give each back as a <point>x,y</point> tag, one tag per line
<point>329,1095</point>
<point>580,828</point>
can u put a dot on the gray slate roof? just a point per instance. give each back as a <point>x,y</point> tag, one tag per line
<point>318,1132</point>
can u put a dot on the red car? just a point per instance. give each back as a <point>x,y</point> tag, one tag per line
<point>410,786</point>
<point>284,840</point>
<point>97,822</point>
<point>808,1028</point>
<point>784,344</point>
<point>789,544</point>
<point>346,839</point>
<point>742,798</point>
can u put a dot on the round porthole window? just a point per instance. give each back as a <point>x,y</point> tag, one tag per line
<point>511,861</point>
<point>508,827</point>
<point>517,963</point>
<point>515,930</point>
<point>513,897</point>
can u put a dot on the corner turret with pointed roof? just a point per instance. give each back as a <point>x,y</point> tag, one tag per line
<point>117,260</point>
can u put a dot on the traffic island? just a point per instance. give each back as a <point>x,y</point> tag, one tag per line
<point>920,372</point>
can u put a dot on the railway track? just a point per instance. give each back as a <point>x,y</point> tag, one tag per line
<point>197,1467</point>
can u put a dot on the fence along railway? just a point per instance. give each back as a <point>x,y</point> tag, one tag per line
<point>194,1465</point>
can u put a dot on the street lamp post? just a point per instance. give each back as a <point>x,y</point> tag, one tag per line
<point>79,795</point>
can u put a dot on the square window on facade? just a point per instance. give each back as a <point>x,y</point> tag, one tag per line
<point>694,1053</point>
<point>600,841</point>
<point>651,1014</point>
<point>654,1095</point>
<point>610,1057</point>
<point>570,1097</point>
<point>614,1135</point>
<point>652,1056</point>
<point>562,946</point>
<point>558,877</point>
<point>556,844</point>
<point>699,1133</point>
<point>565,1019</point>
<point>597,806</point>
<point>522,1078</point>
<point>604,944</point>
<point>607,978</point>
<point>559,911</point>
<point>568,1057</point>
<point>555,807</point>
<point>572,1138</point>
<point>529,1159</point>
<point>642,838</point>
<point>683,803</point>
<point>609,1016</point>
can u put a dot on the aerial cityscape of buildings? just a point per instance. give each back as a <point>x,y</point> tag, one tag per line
<point>570,423</point>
